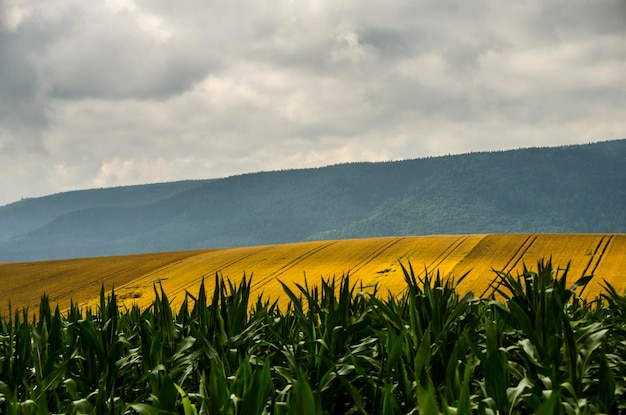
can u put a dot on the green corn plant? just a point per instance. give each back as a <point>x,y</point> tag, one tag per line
<point>248,391</point>
<point>533,347</point>
<point>326,333</point>
<point>435,305</point>
<point>556,352</point>
<point>434,338</point>
<point>612,377</point>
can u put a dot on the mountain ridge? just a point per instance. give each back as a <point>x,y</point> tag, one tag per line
<point>576,188</point>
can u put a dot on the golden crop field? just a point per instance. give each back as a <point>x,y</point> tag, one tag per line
<point>370,261</point>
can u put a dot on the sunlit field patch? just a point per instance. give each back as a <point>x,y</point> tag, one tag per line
<point>369,261</point>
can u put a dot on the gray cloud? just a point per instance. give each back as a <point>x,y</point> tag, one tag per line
<point>22,102</point>
<point>129,91</point>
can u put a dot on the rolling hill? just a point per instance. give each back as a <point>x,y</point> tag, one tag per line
<point>371,261</point>
<point>571,189</point>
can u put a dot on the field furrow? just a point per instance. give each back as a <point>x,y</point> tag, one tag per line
<point>420,252</point>
<point>78,279</point>
<point>601,254</point>
<point>593,258</point>
<point>188,273</point>
<point>293,263</point>
<point>611,267</point>
<point>493,252</point>
<point>437,262</point>
<point>515,260</point>
<point>375,254</point>
<point>511,264</point>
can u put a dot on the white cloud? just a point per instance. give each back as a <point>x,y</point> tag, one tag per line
<point>12,14</point>
<point>349,46</point>
<point>529,73</point>
<point>118,171</point>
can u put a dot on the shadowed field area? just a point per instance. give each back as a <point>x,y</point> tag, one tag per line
<point>371,261</point>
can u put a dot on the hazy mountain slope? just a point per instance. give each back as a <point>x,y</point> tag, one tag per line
<point>567,189</point>
<point>29,214</point>
<point>563,189</point>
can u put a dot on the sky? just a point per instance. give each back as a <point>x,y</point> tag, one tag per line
<point>117,92</point>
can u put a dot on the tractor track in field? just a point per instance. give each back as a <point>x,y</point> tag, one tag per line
<point>445,254</point>
<point>361,264</point>
<point>601,248</point>
<point>606,246</point>
<point>106,277</point>
<point>183,260</point>
<point>239,259</point>
<point>100,282</point>
<point>510,266</point>
<point>512,262</point>
<point>593,255</point>
<point>165,267</point>
<point>129,284</point>
<point>294,262</point>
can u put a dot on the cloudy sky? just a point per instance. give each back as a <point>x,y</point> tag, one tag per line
<point>114,92</point>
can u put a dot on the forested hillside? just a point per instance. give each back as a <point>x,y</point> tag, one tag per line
<point>563,189</point>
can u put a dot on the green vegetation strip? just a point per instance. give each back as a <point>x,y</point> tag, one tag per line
<point>536,347</point>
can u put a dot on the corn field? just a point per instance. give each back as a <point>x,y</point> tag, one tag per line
<point>535,346</point>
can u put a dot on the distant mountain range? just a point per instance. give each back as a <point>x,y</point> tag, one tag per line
<point>576,189</point>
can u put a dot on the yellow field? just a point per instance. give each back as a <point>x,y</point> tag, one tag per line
<point>371,261</point>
